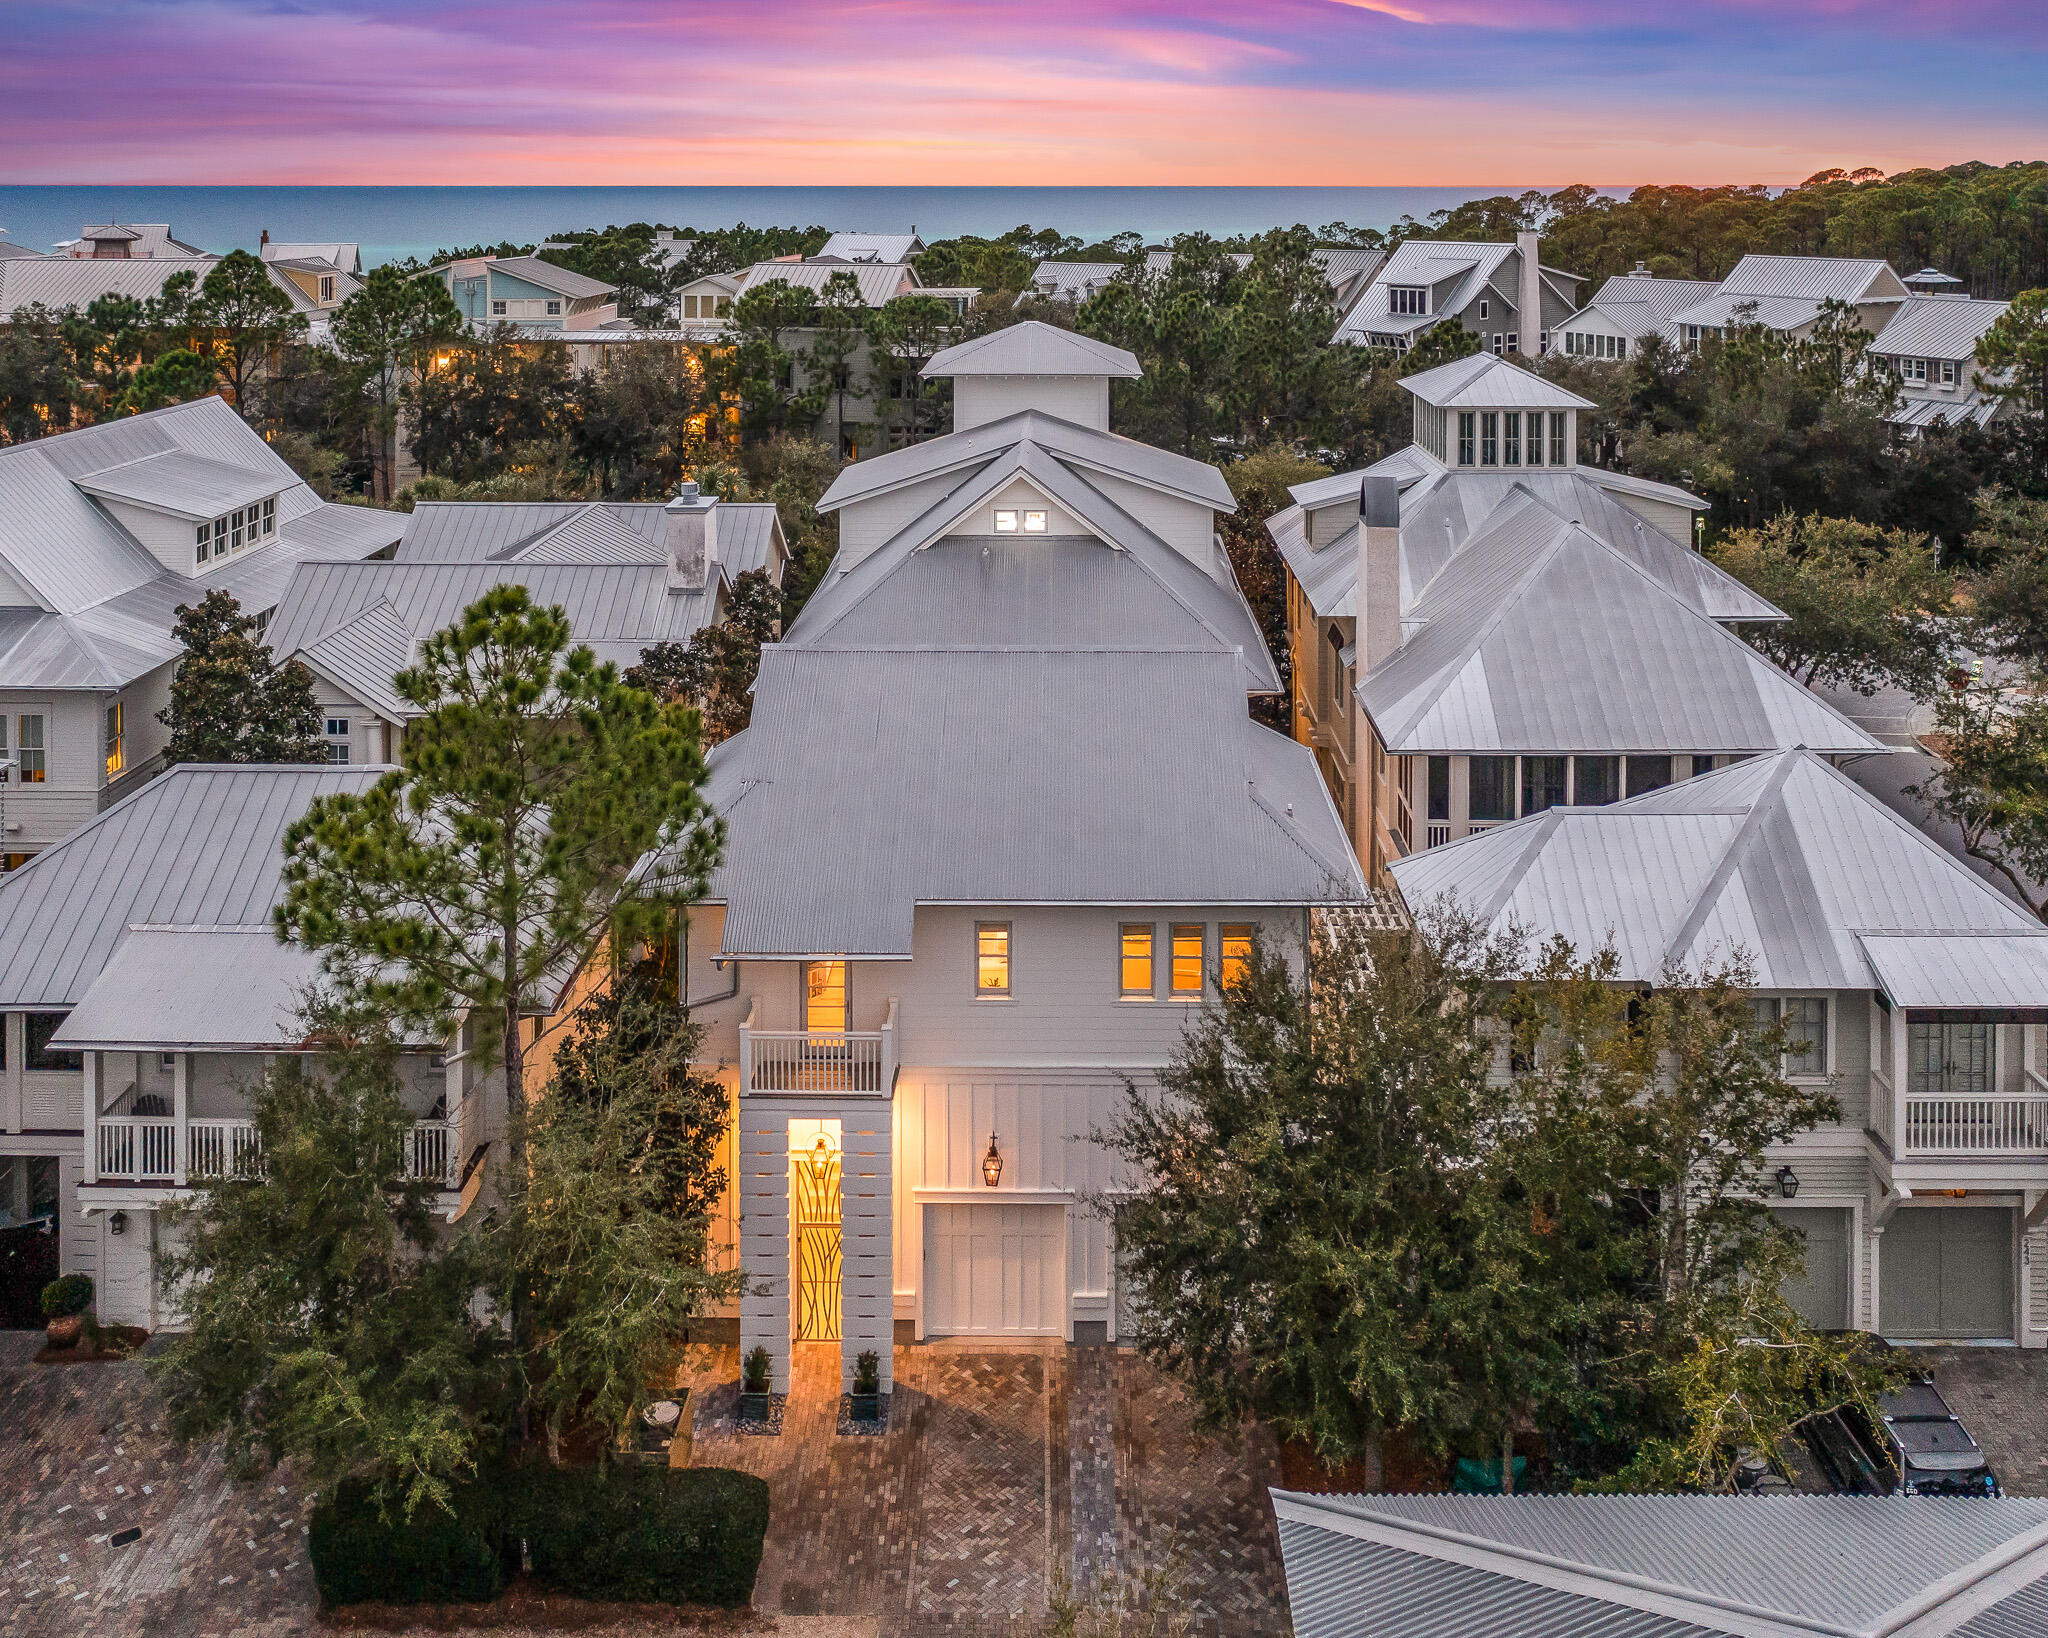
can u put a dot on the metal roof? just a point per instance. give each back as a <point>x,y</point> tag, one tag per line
<point>580,531</point>
<point>65,283</point>
<point>1726,307</point>
<point>1960,971</point>
<point>1072,281</point>
<point>1783,858</point>
<point>198,845</point>
<point>1009,777</point>
<point>9,250</point>
<point>1483,381</point>
<point>549,276</point>
<point>338,253</point>
<point>879,282</point>
<point>1033,348</point>
<point>1952,411</point>
<point>872,247</point>
<point>1775,1567</point>
<point>1634,304</point>
<point>217,989</point>
<point>186,485</point>
<point>1937,327</point>
<point>1464,265</point>
<point>1815,278</point>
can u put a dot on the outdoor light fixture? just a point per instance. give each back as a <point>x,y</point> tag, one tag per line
<point>992,1163</point>
<point>1788,1182</point>
<point>117,1222</point>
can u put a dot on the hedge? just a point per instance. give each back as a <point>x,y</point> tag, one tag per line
<point>643,1534</point>
<point>433,1558</point>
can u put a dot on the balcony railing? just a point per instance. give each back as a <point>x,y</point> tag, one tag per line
<point>143,1149</point>
<point>1976,1126</point>
<point>222,1148</point>
<point>139,1146</point>
<point>1438,833</point>
<point>838,1063</point>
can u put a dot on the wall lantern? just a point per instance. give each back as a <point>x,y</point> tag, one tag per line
<point>1788,1182</point>
<point>117,1222</point>
<point>992,1163</point>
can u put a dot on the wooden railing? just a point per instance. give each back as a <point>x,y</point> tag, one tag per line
<point>143,1149</point>
<point>837,1063</point>
<point>224,1148</point>
<point>1437,834</point>
<point>139,1146</point>
<point>1948,1126</point>
<point>430,1152</point>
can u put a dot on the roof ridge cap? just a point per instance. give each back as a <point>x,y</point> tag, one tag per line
<point>1766,803</point>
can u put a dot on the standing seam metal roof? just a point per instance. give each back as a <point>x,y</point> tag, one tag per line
<point>1937,327</point>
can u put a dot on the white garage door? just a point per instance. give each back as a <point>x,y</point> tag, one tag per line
<point>994,1270</point>
<point>1822,1296</point>
<point>1946,1272</point>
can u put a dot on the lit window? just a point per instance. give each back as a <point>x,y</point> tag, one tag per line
<point>1185,971</point>
<point>1236,939</point>
<point>1137,959</point>
<point>1465,420</point>
<point>992,959</point>
<point>29,751</point>
<point>1006,523</point>
<point>117,756</point>
<point>825,995</point>
<point>1034,523</point>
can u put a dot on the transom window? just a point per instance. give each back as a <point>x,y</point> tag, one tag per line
<point>1186,969</point>
<point>1135,959</point>
<point>992,959</point>
<point>1407,298</point>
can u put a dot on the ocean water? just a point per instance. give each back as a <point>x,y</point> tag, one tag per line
<point>392,223</point>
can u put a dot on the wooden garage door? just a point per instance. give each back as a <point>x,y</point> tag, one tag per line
<point>1822,1296</point>
<point>993,1270</point>
<point>1946,1272</point>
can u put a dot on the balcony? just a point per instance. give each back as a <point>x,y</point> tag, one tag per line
<point>829,1063</point>
<point>143,1150</point>
<point>1976,1126</point>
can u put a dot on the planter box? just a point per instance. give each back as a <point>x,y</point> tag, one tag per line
<point>864,1407</point>
<point>755,1407</point>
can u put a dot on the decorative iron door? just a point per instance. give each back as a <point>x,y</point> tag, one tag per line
<point>817,1243</point>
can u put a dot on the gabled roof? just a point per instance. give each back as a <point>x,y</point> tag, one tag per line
<point>9,250</point>
<point>1484,381</point>
<point>564,281</point>
<point>871,247</point>
<point>185,485</point>
<point>1072,281</point>
<point>577,532</point>
<point>1033,348</point>
<point>1726,307</point>
<point>1782,857</point>
<point>1815,278</point>
<point>337,253</point>
<point>1455,267</point>
<point>879,283</point>
<point>145,240</point>
<point>73,283</point>
<point>1662,1566</point>
<point>1937,327</point>
<point>1635,304</point>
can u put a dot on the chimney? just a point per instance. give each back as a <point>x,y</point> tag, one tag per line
<point>690,529</point>
<point>1529,297</point>
<point>1379,571</point>
<point>260,243</point>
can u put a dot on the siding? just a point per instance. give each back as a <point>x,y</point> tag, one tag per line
<point>979,399</point>
<point>869,524</point>
<point>1189,527</point>
<point>1663,516</point>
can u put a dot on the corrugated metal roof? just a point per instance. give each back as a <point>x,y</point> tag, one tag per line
<point>1814,278</point>
<point>1937,327</point>
<point>1961,971</point>
<point>1726,307</point>
<point>199,845</point>
<point>1928,412</point>
<point>1033,348</point>
<point>878,282</point>
<point>549,276</point>
<point>569,531</point>
<point>186,485</point>
<point>1007,778</point>
<point>872,247</point>
<point>1855,1566</point>
<point>1483,381</point>
<point>1782,857</point>
<point>339,253</point>
<point>2022,1615</point>
<point>196,989</point>
<point>73,283</point>
<point>1455,267</point>
<point>1072,281</point>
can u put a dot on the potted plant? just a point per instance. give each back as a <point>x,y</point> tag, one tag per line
<point>866,1399</point>
<point>65,1300</point>
<point>754,1380</point>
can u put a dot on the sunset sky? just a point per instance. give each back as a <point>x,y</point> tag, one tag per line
<point>1330,92</point>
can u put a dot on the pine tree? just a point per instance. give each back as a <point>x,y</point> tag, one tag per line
<point>229,701</point>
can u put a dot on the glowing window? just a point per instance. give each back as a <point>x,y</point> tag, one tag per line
<point>1186,966</point>
<point>1236,952</point>
<point>1137,959</point>
<point>825,992</point>
<point>992,959</point>
<point>1006,523</point>
<point>1034,523</point>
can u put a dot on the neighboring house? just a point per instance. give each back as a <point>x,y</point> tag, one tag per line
<point>1016,707</point>
<point>338,254</point>
<point>1348,270</point>
<point>322,275</point>
<point>1628,307</point>
<point>710,298</point>
<point>1663,1566</point>
<point>10,251</point>
<point>127,241</point>
<point>143,991</point>
<point>872,247</point>
<point>1912,988</point>
<point>1930,345</point>
<point>742,536</point>
<point>104,532</point>
<point>1534,632</point>
<point>1488,288</point>
<point>524,290</point>
<point>1786,293</point>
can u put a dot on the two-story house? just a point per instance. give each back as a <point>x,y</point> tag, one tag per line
<point>1912,988</point>
<point>104,533</point>
<point>126,242</point>
<point>1530,632</point>
<point>1625,309</point>
<point>1930,345</point>
<point>1502,293</point>
<point>999,825</point>
<point>526,291</point>
<point>1786,293</point>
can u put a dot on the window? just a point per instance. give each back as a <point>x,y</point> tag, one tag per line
<point>1403,298</point>
<point>337,739</point>
<point>30,751</point>
<point>235,531</point>
<point>825,995</point>
<point>1621,346</point>
<point>1533,451</point>
<point>1806,1030</point>
<point>1236,941</point>
<point>1498,348</point>
<point>220,537</point>
<point>1493,789</point>
<point>1006,523</point>
<point>1034,523</point>
<point>1948,372</point>
<point>992,960</point>
<point>497,309</point>
<point>1596,780</point>
<point>1648,773</point>
<point>1135,977</point>
<point>1185,967</point>
<point>1489,439</point>
<point>1702,765</point>
<point>1439,787</point>
<point>554,309</point>
<point>1915,369</point>
<point>205,540</point>
<point>1513,337</point>
<point>1948,1060</point>
<point>1465,420</point>
<point>326,288</point>
<point>1557,438</point>
<point>1511,438</point>
<point>1542,783</point>
<point>117,757</point>
<point>1482,308</point>
<point>41,1055</point>
<point>270,517</point>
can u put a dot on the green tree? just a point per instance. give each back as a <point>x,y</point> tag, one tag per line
<point>902,337</point>
<point>1261,481</point>
<point>326,1318</point>
<point>1991,781</point>
<point>1868,606</point>
<point>1285,380</point>
<point>715,669</point>
<point>639,421</point>
<point>838,328</point>
<point>760,369</point>
<point>230,700</point>
<point>2008,596</point>
<point>42,389</point>
<point>495,394</point>
<point>1179,323</point>
<point>248,320</point>
<point>176,377</point>
<point>1444,341</point>
<point>388,334</point>
<point>2015,351</point>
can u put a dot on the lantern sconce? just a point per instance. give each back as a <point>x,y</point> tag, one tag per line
<point>117,1222</point>
<point>992,1163</point>
<point>1788,1182</point>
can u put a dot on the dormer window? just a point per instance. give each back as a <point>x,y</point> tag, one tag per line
<point>249,526</point>
<point>1006,523</point>
<point>1407,298</point>
<point>1915,370</point>
<point>1034,523</point>
<point>326,289</point>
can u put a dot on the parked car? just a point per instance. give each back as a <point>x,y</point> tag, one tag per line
<point>1919,1447</point>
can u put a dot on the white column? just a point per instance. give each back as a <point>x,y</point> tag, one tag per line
<point>181,1106</point>
<point>867,1265</point>
<point>91,1079</point>
<point>764,1235</point>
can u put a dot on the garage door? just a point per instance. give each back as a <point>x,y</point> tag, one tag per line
<point>1822,1295</point>
<point>995,1271</point>
<point>1946,1272</point>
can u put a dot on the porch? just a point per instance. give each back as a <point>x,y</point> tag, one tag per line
<point>162,1150</point>
<point>838,1062</point>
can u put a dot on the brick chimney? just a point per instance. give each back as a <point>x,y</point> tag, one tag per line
<point>1379,571</point>
<point>690,528</point>
<point>1529,297</point>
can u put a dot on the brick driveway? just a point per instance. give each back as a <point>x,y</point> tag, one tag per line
<point>2002,1396</point>
<point>1001,1470</point>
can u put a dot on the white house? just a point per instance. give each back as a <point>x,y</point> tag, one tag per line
<point>1787,293</point>
<point>104,532</point>
<point>1930,345</point>
<point>1009,735</point>
<point>1624,310</point>
<point>126,241</point>
<point>1914,990</point>
<point>527,291</point>
<point>1502,293</point>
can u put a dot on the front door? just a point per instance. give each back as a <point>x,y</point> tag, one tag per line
<point>817,1242</point>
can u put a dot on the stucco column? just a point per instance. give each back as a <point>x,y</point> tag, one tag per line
<point>764,1234</point>
<point>867,1264</point>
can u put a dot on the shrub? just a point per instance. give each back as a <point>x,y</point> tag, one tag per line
<point>644,1534</point>
<point>755,1369</point>
<point>360,1553</point>
<point>66,1295</point>
<point>867,1372</point>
